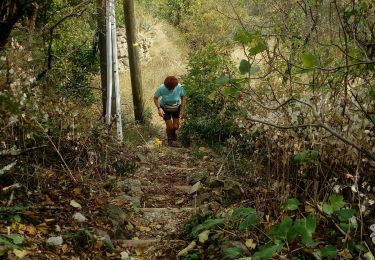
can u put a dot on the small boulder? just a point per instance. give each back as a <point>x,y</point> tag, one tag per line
<point>79,217</point>
<point>197,176</point>
<point>214,182</point>
<point>55,241</point>
<point>196,187</point>
<point>233,190</point>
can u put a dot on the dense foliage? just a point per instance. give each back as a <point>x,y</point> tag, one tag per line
<point>299,108</point>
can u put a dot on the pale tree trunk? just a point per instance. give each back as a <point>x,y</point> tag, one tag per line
<point>135,70</point>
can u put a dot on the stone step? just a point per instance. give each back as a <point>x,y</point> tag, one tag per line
<point>150,249</point>
<point>163,195</point>
<point>159,223</point>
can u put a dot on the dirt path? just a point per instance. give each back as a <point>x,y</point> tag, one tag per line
<point>165,205</point>
<point>168,57</point>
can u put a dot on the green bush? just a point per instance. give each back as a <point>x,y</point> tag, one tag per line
<point>209,111</point>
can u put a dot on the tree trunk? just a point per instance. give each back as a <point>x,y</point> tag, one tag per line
<point>102,51</point>
<point>135,70</point>
<point>10,13</point>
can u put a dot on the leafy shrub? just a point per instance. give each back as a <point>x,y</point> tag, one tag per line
<point>209,112</point>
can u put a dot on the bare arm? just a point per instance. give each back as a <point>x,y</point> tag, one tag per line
<point>157,104</point>
<point>183,103</point>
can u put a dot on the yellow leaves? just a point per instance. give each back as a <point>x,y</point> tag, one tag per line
<point>20,253</point>
<point>29,229</point>
<point>77,191</point>
<point>43,228</point>
<point>345,254</point>
<point>65,248</point>
<point>203,237</point>
<point>158,142</point>
<point>187,249</point>
<point>179,201</point>
<point>250,244</point>
<point>144,229</point>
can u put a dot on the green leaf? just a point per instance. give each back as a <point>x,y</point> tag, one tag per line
<point>243,37</point>
<point>345,214</point>
<point>337,201</point>
<point>223,80</point>
<point>245,66</point>
<point>304,227</point>
<point>248,222</point>
<point>207,225</point>
<point>328,209</point>
<point>309,60</point>
<point>5,242</point>
<point>300,157</point>
<point>346,227</point>
<point>329,251</point>
<point>373,118</point>
<point>247,216</point>
<point>16,238</point>
<point>281,230</point>
<point>291,204</point>
<point>256,45</point>
<point>314,155</point>
<point>268,250</point>
<point>242,212</point>
<point>232,253</point>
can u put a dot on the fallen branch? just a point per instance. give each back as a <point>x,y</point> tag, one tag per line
<point>8,167</point>
<point>16,152</point>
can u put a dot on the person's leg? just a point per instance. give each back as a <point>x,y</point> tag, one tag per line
<point>169,130</point>
<point>176,126</point>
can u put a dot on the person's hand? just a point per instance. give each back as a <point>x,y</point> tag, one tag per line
<point>161,112</point>
<point>182,114</point>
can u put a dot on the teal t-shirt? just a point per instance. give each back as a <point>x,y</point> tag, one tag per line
<point>170,97</point>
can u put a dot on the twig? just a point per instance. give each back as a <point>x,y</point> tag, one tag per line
<point>318,125</point>
<point>144,140</point>
<point>11,198</point>
<point>16,152</point>
<point>222,165</point>
<point>58,152</point>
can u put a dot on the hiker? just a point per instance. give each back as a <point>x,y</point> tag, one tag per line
<point>170,101</point>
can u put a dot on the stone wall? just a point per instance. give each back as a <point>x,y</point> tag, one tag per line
<point>122,48</point>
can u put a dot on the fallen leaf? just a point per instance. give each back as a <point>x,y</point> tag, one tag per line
<point>42,228</point>
<point>20,253</point>
<point>345,254</point>
<point>350,177</point>
<point>203,237</point>
<point>309,208</point>
<point>139,251</point>
<point>75,204</point>
<point>179,201</point>
<point>65,248</point>
<point>77,191</point>
<point>47,200</point>
<point>30,229</point>
<point>250,244</point>
<point>143,229</point>
<point>187,249</point>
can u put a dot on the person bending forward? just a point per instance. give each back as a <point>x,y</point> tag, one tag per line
<point>170,101</point>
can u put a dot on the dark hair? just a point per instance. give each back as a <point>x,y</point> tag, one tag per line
<point>170,82</point>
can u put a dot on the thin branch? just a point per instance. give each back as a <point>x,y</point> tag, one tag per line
<point>318,125</point>
<point>16,152</point>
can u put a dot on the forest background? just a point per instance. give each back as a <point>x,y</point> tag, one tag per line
<point>295,116</point>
